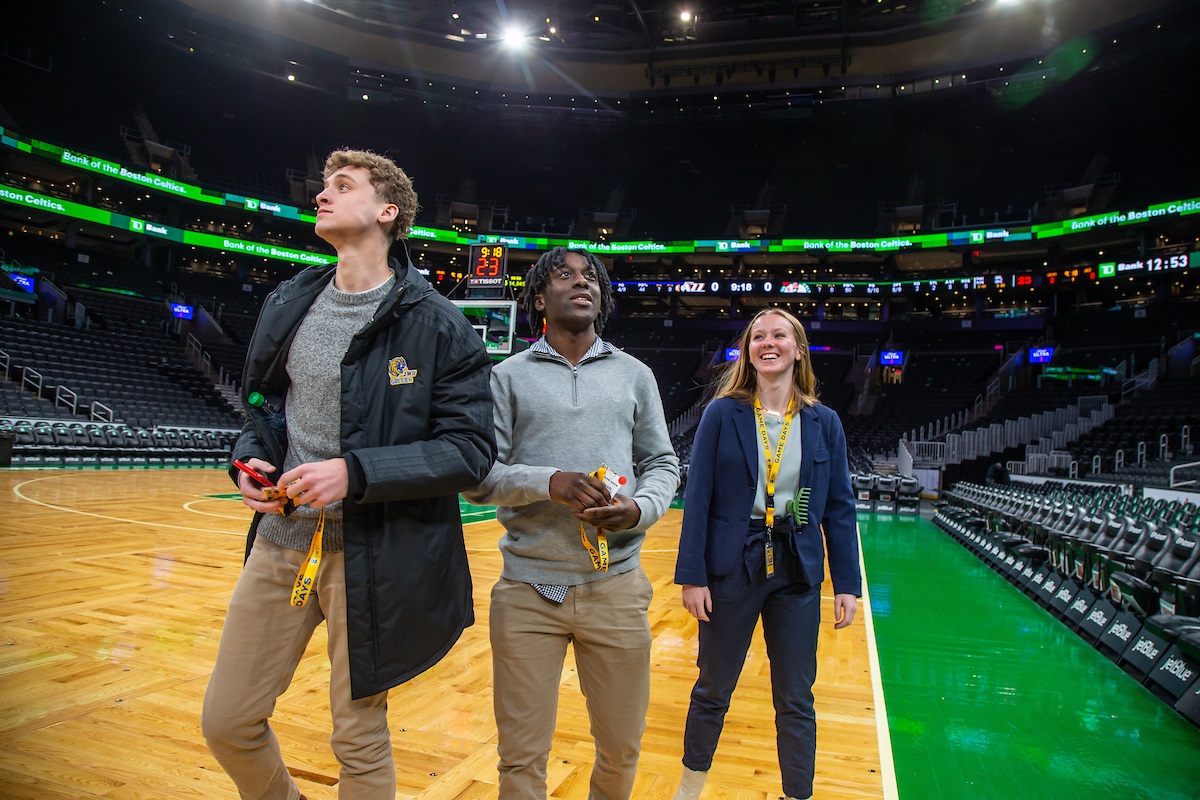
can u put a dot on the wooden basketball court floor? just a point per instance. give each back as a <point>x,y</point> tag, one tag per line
<point>114,584</point>
<point>113,589</point>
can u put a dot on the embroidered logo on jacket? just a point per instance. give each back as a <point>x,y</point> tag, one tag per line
<point>399,373</point>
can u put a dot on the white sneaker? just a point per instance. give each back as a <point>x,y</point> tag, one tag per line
<point>690,784</point>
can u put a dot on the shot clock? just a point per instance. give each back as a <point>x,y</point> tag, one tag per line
<point>489,261</point>
<point>487,270</point>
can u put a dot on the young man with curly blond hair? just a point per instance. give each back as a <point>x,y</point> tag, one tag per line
<point>380,414</point>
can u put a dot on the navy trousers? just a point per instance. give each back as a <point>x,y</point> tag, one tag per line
<point>791,615</point>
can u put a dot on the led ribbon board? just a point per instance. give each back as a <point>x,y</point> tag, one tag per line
<point>984,236</point>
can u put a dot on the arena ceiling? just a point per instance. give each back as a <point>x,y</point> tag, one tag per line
<point>644,25</point>
<point>623,47</point>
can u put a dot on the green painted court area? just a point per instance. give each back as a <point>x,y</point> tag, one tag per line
<point>472,513</point>
<point>989,697</point>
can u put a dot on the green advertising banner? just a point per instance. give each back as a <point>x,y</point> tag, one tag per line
<point>159,183</point>
<point>157,230</point>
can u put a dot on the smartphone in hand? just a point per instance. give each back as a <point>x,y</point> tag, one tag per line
<point>258,477</point>
<point>269,490</point>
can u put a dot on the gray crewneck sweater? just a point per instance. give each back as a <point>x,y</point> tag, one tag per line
<point>313,405</point>
<point>552,416</point>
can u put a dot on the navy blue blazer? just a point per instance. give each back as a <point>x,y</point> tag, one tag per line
<point>722,480</point>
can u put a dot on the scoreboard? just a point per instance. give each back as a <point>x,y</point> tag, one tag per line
<point>790,289</point>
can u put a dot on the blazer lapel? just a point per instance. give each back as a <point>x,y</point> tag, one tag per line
<point>743,423</point>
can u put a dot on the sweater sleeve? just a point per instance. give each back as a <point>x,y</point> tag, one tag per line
<point>508,484</point>
<point>653,454</point>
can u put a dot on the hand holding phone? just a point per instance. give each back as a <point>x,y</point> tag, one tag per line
<point>258,477</point>
<point>270,491</point>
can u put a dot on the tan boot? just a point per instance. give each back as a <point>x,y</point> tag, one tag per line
<point>690,784</point>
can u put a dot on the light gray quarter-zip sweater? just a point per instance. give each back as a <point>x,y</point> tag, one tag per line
<point>552,416</point>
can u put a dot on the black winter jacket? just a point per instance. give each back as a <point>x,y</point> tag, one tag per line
<point>414,434</point>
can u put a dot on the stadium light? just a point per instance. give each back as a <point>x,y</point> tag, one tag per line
<point>514,38</point>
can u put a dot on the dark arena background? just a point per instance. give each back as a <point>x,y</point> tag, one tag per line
<point>985,212</point>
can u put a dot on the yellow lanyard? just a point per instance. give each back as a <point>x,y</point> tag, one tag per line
<point>772,462</point>
<point>599,555</point>
<point>307,575</point>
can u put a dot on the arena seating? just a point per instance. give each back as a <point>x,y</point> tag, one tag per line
<point>1122,572</point>
<point>82,444</point>
<point>109,397</point>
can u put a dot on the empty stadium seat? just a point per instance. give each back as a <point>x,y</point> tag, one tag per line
<point>864,492</point>
<point>908,496</point>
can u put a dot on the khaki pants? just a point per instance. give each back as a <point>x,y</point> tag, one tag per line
<point>261,644</point>
<point>606,623</point>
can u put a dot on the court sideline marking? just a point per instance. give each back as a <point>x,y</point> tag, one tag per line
<point>18,487</point>
<point>886,764</point>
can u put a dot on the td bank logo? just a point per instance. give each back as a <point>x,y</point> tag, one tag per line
<point>251,204</point>
<point>137,225</point>
<point>1108,270</point>
<point>977,237</point>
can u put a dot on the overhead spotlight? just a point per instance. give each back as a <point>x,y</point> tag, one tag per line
<point>514,38</point>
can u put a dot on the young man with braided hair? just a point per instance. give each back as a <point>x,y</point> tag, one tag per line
<point>382,386</point>
<point>568,405</point>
